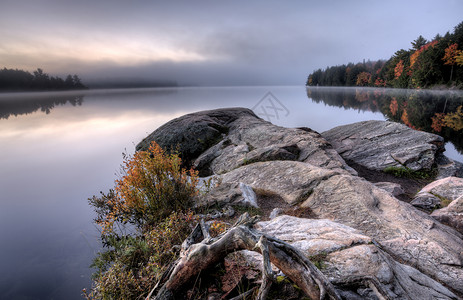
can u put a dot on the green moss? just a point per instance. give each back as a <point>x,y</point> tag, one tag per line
<point>405,172</point>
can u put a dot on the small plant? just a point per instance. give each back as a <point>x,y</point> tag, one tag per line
<point>319,260</point>
<point>405,172</point>
<point>133,264</point>
<point>151,186</point>
<point>142,220</point>
<point>444,202</point>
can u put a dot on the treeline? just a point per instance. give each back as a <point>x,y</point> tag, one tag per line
<point>19,80</point>
<point>427,64</point>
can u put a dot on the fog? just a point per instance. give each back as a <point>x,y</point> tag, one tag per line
<point>210,42</point>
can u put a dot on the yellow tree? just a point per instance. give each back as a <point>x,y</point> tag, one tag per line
<point>451,53</point>
<point>455,120</point>
<point>459,58</point>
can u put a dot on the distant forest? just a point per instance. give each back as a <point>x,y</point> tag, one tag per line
<point>427,64</point>
<point>19,80</point>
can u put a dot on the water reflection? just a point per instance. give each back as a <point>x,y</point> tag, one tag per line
<point>438,112</point>
<point>51,163</point>
<point>14,105</point>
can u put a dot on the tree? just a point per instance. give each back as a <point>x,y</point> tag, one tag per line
<point>363,79</point>
<point>21,80</point>
<point>459,58</point>
<point>451,53</point>
<point>419,42</point>
<point>425,65</point>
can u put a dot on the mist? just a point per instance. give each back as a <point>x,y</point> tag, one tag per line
<point>211,43</point>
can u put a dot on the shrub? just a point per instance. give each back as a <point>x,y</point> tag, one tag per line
<point>152,185</point>
<point>142,218</point>
<point>133,265</point>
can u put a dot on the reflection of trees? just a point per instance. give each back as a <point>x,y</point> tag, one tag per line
<point>15,105</point>
<point>432,111</point>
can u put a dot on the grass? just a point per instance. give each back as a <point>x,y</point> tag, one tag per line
<point>405,172</point>
<point>444,202</point>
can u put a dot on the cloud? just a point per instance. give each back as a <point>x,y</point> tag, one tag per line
<point>211,42</point>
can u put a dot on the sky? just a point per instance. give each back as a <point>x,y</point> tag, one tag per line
<point>212,43</point>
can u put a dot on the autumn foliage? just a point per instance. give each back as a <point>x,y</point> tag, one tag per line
<point>399,68</point>
<point>394,106</point>
<point>363,79</point>
<point>152,185</point>
<point>428,63</point>
<point>142,218</point>
<point>451,53</point>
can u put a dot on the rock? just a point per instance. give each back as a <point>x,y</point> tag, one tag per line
<point>250,198</point>
<point>218,141</point>
<point>275,213</point>
<point>452,215</point>
<point>313,236</point>
<point>411,235</point>
<point>377,145</point>
<point>194,133</point>
<point>439,193</point>
<point>300,167</point>
<point>448,189</point>
<point>349,259</point>
<point>447,167</point>
<point>394,188</point>
<point>294,181</point>
<point>414,237</point>
<point>426,201</point>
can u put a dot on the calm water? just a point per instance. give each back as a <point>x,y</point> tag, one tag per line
<point>58,149</point>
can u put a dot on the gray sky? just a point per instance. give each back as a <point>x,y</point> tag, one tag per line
<point>212,42</point>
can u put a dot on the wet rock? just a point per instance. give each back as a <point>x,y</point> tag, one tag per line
<point>377,145</point>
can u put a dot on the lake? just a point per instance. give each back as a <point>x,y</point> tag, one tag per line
<point>60,148</point>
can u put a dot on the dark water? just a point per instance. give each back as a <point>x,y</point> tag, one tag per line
<point>58,149</point>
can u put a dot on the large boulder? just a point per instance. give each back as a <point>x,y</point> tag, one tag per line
<point>192,134</point>
<point>352,261</point>
<point>300,167</point>
<point>378,145</point>
<point>218,141</point>
<point>413,236</point>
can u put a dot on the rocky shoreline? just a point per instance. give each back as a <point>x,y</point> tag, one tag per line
<point>328,196</point>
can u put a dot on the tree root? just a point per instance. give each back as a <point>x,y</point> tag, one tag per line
<point>197,255</point>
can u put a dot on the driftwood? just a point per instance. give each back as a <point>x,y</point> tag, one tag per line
<point>200,251</point>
